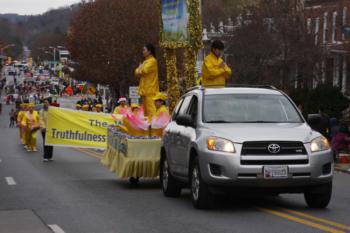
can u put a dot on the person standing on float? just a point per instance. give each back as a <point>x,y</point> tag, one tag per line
<point>148,74</point>
<point>215,71</point>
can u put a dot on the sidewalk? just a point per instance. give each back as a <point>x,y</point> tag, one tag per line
<point>342,167</point>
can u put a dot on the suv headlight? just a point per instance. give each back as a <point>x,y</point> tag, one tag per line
<point>320,144</point>
<point>220,144</point>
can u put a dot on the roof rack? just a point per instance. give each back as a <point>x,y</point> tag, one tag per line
<point>252,86</point>
<point>195,88</point>
<point>232,85</point>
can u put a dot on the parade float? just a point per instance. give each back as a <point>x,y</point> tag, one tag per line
<point>133,148</point>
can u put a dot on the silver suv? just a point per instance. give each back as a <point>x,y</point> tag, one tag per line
<point>243,138</point>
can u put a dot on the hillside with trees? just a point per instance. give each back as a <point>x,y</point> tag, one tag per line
<point>38,32</point>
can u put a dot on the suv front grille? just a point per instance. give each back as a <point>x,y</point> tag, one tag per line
<point>275,162</point>
<point>262,148</point>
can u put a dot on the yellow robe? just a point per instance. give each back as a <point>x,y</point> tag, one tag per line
<point>159,132</point>
<point>21,129</point>
<point>31,122</point>
<point>212,73</point>
<point>149,84</point>
<point>117,110</point>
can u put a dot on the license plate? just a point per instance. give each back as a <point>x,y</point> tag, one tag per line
<point>279,172</point>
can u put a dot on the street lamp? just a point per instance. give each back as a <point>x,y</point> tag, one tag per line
<point>54,58</point>
<point>55,48</point>
<point>54,53</point>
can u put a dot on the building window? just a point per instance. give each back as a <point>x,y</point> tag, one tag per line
<point>345,17</point>
<point>334,27</point>
<point>325,27</point>
<point>308,25</point>
<point>317,29</point>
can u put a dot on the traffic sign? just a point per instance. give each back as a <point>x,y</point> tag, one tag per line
<point>134,92</point>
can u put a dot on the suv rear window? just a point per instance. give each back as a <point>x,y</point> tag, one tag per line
<point>249,108</point>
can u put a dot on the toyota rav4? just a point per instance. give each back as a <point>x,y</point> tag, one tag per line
<point>246,138</point>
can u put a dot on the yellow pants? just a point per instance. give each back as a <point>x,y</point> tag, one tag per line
<point>21,135</point>
<point>30,138</point>
<point>149,107</point>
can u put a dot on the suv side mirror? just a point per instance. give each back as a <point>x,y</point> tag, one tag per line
<point>314,120</point>
<point>184,120</point>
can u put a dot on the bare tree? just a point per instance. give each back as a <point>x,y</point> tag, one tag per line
<point>273,46</point>
<point>106,38</point>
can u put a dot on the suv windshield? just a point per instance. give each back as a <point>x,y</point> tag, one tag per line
<point>249,108</point>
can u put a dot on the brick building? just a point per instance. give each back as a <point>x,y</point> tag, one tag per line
<point>329,21</point>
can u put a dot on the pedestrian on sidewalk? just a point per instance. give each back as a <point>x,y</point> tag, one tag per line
<point>340,141</point>
<point>12,118</point>
<point>48,150</point>
<point>334,127</point>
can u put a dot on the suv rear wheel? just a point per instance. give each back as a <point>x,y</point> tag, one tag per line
<point>200,193</point>
<point>170,187</point>
<point>319,197</point>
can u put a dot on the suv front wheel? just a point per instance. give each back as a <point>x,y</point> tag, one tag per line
<point>170,187</point>
<point>200,193</point>
<point>319,196</point>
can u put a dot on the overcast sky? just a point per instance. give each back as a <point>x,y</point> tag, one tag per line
<point>32,7</point>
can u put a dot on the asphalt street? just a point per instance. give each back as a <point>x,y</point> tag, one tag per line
<point>76,194</point>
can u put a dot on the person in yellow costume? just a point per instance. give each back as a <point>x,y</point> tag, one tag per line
<point>161,117</point>
<point>134,123</point>
<point>135,108</point>
<point>215,71</point>
<point>98,108</point>
<point>122,108</point>
<point>31,122</point>
<point>148,74</point>
<point>85,107</point>
<point>23,109</point>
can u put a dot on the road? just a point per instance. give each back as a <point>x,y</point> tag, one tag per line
<point>76,194</point>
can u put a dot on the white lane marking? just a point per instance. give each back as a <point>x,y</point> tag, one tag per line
<point>56,229</point>
<point>10,181</point>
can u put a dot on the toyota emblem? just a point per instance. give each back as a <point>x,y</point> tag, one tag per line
<point>274,148</point>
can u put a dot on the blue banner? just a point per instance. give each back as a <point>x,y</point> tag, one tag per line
<point>175,20</point>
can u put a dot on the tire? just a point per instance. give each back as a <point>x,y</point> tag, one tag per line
<point>319,197</point>
<point>200,194</point>
<point>170,186</point>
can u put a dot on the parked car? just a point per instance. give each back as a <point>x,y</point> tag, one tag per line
<point>247,139</point>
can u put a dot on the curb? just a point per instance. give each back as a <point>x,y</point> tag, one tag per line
<point>342,170</point>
